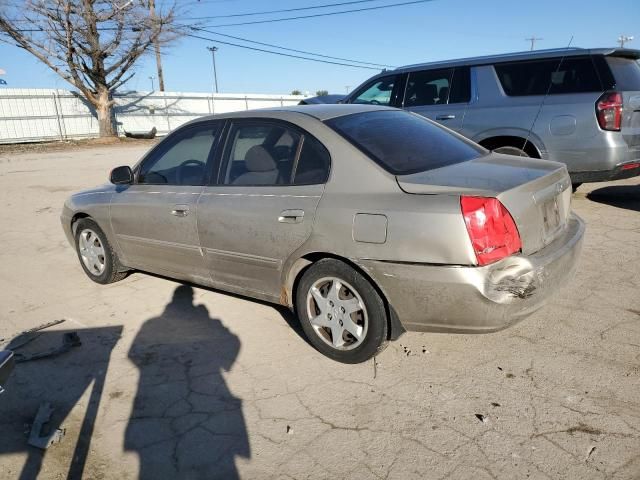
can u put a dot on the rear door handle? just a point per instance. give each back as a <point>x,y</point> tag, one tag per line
<point>291,216</point>
<point>445,117</point>
<point>180,210</point>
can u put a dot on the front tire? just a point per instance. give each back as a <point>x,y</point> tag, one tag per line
<point>341,313</point>
<point>97,258</point>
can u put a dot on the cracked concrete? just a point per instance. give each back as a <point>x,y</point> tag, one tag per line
<point>178,383</point>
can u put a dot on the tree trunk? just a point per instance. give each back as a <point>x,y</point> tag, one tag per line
<point>105,114</point>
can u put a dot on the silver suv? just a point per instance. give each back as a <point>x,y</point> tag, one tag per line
<point>577,106</point>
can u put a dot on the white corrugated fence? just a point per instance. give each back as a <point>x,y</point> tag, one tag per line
<point>33,115</point>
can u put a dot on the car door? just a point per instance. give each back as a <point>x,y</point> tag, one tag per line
<point>155,218</point>
<point>441,95</point>
<point>262,205</point>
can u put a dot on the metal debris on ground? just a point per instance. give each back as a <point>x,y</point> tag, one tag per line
<point>69,340</point>
<point>482,418</point>
<point>41,435</point>
<point>27,336</point>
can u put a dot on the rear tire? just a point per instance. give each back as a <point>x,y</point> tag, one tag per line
<point>341,313</point>
<point>97,258</point>
<point>509,150</point>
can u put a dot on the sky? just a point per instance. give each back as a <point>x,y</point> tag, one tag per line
<point>423,32</point>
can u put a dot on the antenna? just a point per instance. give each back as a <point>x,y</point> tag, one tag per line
<point>546,95</point>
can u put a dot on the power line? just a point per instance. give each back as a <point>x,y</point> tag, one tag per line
<point>300,17</point>
<point>268,12</point>
<point>279,53</point>
<point>286,48</point>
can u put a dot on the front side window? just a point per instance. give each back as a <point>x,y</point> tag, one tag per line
<point>556,75</point>
<point>181,158</point>
<point>267,154</point>
<point>404,143</point>
<point>379,92</point>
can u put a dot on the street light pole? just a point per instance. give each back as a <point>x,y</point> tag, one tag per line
<point>213,51</point>
<point>152,78</point>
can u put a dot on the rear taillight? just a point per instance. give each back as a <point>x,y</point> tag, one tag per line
<point>609,111</point>
<point>491,228</point>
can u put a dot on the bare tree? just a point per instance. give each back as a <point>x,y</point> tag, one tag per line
<point>92,44</point>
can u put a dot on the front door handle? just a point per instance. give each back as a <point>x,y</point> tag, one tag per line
<point>180,210</point>
<point>445,117</point>
<point>291,216</point>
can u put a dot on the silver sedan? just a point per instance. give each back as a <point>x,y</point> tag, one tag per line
<point>366,221</point>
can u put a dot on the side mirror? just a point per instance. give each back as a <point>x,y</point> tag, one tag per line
<point>121,175</point>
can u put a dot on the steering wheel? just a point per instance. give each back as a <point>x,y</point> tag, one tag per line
<point>374,102</point>
<point>187,163</point>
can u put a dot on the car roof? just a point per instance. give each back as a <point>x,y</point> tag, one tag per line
<point>321,112</point>
<point>528,55</point>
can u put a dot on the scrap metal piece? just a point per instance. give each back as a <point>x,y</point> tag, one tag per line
<point>7,361</point>
<point>69,340</point>
<point>41,436</point>
<point>27,336</point>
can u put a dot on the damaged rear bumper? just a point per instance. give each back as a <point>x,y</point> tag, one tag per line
<point>478,299</point>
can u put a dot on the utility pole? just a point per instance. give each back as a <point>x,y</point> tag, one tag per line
<point>156,45</point>
<point>213,51</point>
<point>152,78</point>
<point>533,39</point>
<point>622,39</point>
<point>347,88</point>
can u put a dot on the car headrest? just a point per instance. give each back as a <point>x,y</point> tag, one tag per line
<point>258,159</point>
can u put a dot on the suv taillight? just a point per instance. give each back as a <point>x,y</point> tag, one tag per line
<point>491,228</point>
<point>609,111</point>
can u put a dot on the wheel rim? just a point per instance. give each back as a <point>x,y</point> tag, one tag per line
<point>337,313</point>
<point>91,251</point>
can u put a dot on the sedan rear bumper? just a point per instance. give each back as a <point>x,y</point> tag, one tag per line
<point>478,299</point>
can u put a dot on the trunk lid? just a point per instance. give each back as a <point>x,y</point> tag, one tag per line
<point>537,193</point>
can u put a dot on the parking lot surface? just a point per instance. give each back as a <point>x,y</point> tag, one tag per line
<point>177,381</point>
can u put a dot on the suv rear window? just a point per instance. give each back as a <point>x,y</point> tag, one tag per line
<point>626,72</point>
<point>404,143</point>
<point>557,75</point>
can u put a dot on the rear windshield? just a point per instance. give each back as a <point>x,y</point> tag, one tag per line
<point>404,143</point>
<point>626,72</point>
<point>555,75</point>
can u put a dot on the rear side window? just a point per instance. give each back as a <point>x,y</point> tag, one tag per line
<point>429,87</point>
<point>313,164</point>
<point>557,75</point>
<point>626,72</point>
<point>438,87</point>
<point>402,142</point>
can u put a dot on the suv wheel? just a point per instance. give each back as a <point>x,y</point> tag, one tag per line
<point>509,150</point>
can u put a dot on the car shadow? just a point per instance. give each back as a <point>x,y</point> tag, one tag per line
<point>185,422</point>
<point>621,196</point>
<point>61,381</point>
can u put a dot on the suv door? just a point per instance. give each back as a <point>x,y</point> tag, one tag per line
<point>155,218</point>
<point>261,207</point>
<point>441,95</point>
